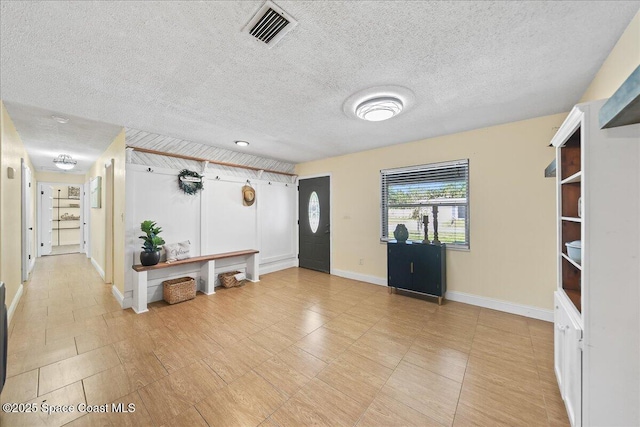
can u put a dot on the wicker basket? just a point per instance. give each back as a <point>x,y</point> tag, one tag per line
<point>178,290</point>
<point>228,280</point>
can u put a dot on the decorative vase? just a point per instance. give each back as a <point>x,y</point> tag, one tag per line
<point>149,258</point>
<point>401,233</point>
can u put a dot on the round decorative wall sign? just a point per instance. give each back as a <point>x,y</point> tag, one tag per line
<point>190,182</point>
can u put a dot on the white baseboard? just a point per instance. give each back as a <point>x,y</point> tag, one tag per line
<point>277,266</point>
<point>97,267</point>
<point>500,305</point>
<point>122,300</point>
<point>14,304</point>
<point>361,277</point>
<point>494,304</point>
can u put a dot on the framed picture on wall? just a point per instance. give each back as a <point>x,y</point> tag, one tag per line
<point>74,193</point>
<point>95,191</point>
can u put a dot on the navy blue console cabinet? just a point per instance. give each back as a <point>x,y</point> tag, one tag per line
<point>417,267</point>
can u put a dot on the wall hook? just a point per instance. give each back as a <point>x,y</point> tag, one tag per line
<point>149,170</point>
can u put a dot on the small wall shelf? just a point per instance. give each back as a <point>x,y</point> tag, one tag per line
<point>576,177</point>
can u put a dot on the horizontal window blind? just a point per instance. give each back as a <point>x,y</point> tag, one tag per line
<point>408,194</point>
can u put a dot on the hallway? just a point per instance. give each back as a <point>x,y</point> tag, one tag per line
<point>297,348</point>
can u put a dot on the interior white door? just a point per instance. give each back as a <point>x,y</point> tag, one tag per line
<point>46,219</point>
<point>27,222</point>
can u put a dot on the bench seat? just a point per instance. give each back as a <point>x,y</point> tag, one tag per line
<point>207,271</point>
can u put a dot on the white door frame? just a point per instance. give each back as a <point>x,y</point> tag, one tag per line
<point>28,258</point>
<point>86,218</point>
<point>42,226</point>
<point>108,253</point>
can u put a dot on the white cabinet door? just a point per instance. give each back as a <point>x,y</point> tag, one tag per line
<point>559,337</point>
<point>568,358</point>
<point>573,371</point>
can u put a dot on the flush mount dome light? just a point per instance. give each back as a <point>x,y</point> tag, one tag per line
<point>242,143</point>
<point>60,119</point>
<point>379,103</point>
<point>65,162</point>
<point>378,109</point>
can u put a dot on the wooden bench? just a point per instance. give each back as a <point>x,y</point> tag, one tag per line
<point>207,271</point>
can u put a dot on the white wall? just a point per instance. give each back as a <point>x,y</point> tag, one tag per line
<point>214,221</point>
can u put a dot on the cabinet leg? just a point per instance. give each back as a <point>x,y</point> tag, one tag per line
<point>439,300</point>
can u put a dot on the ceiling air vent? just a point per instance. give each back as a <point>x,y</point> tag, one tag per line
<point>270,24</point>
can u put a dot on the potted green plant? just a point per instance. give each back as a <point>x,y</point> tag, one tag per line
<point>152,243</point>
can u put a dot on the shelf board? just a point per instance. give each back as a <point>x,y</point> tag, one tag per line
<point>571,219</point>
<point>575,264</point>
<point>67,228</point>
<point>576,177</point>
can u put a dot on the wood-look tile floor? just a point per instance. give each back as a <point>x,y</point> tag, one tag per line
<point>298,348</point>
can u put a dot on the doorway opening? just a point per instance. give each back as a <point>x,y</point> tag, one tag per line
<point>61,216</point>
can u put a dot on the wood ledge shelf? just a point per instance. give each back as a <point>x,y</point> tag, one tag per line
<point>140,267</point>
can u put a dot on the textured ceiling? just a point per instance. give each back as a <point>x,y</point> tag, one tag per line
<point>45,138</point>
<point>185,69</point>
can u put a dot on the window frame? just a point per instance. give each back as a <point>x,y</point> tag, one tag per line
<point>384,195</point>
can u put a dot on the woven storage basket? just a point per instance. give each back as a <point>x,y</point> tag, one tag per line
<point>228,280</point>
<point>178,290</point>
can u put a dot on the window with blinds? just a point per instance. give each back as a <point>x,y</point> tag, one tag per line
<point>409,194</point>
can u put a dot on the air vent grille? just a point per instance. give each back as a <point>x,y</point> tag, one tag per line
<point>269,26</point>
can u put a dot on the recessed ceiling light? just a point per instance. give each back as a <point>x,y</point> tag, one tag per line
<point>60,119</point>
<point>65,162</point>
<point>378,109</point>
<point>242,143</point>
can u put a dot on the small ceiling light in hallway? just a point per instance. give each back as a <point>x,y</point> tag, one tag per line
<point>65,162</point>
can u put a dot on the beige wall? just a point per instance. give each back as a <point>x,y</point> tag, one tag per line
<point>623,59</point>
<point>97,231</point>
<point>512,227</point>
<point>512,206</point>
<point>11,152</point>
<point>65,178</point>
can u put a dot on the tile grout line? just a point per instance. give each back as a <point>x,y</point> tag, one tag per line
<point>475,331</point>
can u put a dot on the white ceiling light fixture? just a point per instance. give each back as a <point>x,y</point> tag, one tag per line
<point>65,162</point>
<point>379,103</point>
<point>242,143</point>
<point>379,109</point>
<point>60,119</point>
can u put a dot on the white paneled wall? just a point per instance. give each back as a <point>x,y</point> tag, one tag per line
<point>230,226</point>
<point>278,226</point>
<point>214,220</point>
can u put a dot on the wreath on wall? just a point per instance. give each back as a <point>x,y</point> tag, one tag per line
<point>190,182</point>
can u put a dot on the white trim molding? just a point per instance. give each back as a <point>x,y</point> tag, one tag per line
<point>494,304</point>
<point>14,304</point>
<point>97,267</point>
<point>500,305</point>
<point>117,295</point>
<point>381,281</point>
